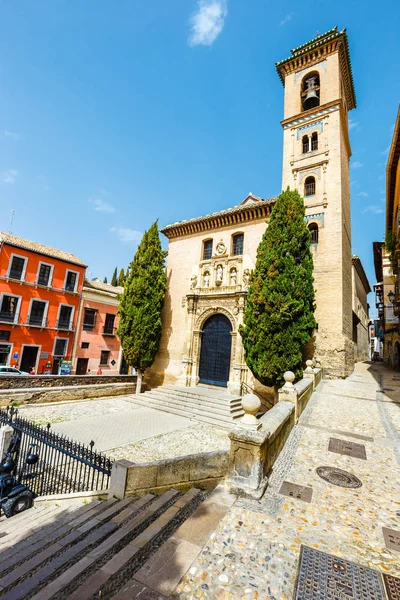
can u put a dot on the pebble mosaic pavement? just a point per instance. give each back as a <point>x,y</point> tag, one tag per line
<point>254,552</point>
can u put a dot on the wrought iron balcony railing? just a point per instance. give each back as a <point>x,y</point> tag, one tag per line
<point>8,317</point>
<point>36,321</point>
<point>65,324</point>
<point>109,330</point>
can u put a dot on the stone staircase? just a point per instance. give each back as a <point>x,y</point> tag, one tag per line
<point>114,549</point>
<point>201,403</point>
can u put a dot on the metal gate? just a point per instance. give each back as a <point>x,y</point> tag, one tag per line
<point>215,354</point>
<point>64,465</point>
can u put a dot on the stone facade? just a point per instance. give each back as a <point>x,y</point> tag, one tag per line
<point>199,288</point>
<point>361,289</point>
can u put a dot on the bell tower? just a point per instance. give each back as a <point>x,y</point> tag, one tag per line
<point>319,93</point>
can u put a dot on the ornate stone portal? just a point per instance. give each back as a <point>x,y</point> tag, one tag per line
<point>222,289</point>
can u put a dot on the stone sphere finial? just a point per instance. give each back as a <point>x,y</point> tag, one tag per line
<point>251,405</point>
<point>309,368</point>
<point>289,377</point>
<point>309,363</point>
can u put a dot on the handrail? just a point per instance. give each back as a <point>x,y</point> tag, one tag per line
<point>247,389</point>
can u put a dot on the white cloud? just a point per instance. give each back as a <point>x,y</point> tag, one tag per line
<point>208,22</point>
<point>127,235</point>
<point>101,206</point>
<point>352,124</point>
<point>286,19</point>
<point>9,176</point>
<point>356,164</point>
<point>13,135</point>
<point>364,194</point>
<point>373,208</point>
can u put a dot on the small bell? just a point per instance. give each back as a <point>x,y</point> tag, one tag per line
<point>311,100</point>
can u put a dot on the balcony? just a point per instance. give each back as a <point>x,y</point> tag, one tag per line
<point>65,325</point>
<point>8,317</point>
<point>36,321</point>
<point>110,331</point>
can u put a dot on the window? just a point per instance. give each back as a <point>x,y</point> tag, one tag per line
<point>104,358</point>
<point>65,317</point>
<point>9,308</point>
<point>310,91</point>
<point>44,274</point>
<point>109,325</point>
<point>37,313</point>
<point>238,244</point>
<point>309,186</point>
<point>17,267</point>
<point>4,334</point>
<point>60,347</point>
<point>207,249</point>
<point>89,319</point>
<point>313,228</point>
<point>85,345</point>
<point>314,141</point>
<point>306,144</point>
<point>71,281</point>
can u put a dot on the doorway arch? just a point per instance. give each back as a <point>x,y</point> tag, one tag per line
<point>215,353</point>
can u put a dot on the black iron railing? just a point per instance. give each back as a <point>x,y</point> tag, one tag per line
<point>247,389</point>
<point>65,324</point>
<point>8,317</point>
<point>64,465</point>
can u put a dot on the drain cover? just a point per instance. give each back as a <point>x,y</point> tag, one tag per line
<point>322,576</point>
<point>392,538</point>
<point>301,492</point>
<point>347,448</point>
<point>392,585</point>
<point>339,477</point>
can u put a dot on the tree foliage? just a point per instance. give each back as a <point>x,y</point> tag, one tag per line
<point>279,315</point>
<point>114,279</point>
<point>141,302</point>
<point>121,278</point>
<point>105,280</point>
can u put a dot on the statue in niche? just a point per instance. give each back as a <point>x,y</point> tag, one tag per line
<point>246,277</point>
<point>193,282</point>
<point>233,277</point>
<point>206,279</point>
<point>220,274</point>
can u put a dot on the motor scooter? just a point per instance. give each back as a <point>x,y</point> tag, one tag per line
<point>15,497</point>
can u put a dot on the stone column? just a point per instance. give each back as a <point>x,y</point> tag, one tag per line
<point>187,361</point>
<point>6,433</point>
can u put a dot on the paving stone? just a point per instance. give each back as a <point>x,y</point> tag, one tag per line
<point>135,590</point>
<point>202,523</point>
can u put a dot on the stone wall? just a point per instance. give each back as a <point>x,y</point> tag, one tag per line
<point>46,381</point>
<point>63,394</point>
<point>201,470</point>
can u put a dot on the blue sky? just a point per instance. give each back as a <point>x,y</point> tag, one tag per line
<point>113,114</point>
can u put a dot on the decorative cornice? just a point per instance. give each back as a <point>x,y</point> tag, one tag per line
<point>315,51</point>
<point>312,113</point>
<point>391,173</point>
<point>361,273</point>
<point>250,211</point>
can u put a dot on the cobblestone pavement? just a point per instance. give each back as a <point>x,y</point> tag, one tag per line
<point>109,423</point>
<point>254,552</point>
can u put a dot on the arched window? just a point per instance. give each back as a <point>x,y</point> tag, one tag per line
<point>306,144</point>
<point>314,141</point>
<point>310,91</point>
<point>237,244</point>
<point>309,186</point>
<point>313,228</point>
<point>207,249</point>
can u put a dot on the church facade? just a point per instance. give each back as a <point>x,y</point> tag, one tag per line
<point>210,258</point>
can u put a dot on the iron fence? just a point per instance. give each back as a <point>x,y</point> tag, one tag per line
<point>64,465</point>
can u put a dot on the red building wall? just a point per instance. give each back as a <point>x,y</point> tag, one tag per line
<point>21,334</point>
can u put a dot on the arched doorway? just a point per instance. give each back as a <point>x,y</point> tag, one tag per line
<point>215,354</point>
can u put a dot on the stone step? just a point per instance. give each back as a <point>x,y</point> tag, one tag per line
<point>205,417</point>
<point>198,401</point>
<point>77,536</point>
<point>193,393</point>
<point>28,528</point>
<point>194,406</point>
<point>7,525</point>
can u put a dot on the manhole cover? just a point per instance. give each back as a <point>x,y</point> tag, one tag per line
<point>392,538</point>
<point>322,576</point>
<point>347,448</point>
<point>392,585</point>
<point>301,492</point>
<point>339,477</point>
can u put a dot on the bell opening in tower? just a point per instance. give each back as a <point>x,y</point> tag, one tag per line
<point>310,91</point>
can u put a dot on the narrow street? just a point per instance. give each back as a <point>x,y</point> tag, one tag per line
<point>255,551</point>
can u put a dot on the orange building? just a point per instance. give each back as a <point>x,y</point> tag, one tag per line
<point>96,343</point>
<point>40,292</point>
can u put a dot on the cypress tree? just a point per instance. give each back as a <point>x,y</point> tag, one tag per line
<point>140,304</point>
<point>121,278</point>
<point>105,280</point>
<point>114,279</point>
<point>279,315</point>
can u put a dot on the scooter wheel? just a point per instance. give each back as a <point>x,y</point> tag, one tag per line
<point>18,504</point>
